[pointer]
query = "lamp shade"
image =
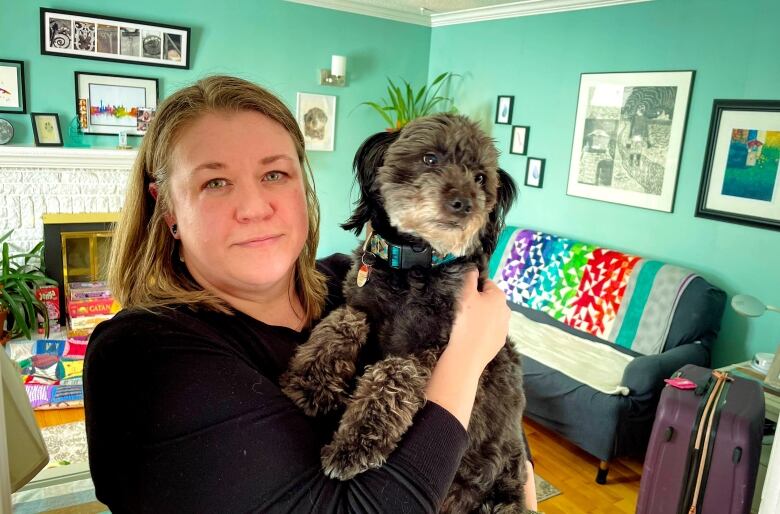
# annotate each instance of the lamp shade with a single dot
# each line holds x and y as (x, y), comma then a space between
(338, 65)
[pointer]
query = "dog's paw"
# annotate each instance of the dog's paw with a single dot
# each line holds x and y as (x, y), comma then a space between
(312, 396)
(343, 462)
(508, 508)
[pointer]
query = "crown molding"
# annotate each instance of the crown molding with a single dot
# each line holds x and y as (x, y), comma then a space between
(521, 8)
(369, 10)
(62, 157)
(510, 10)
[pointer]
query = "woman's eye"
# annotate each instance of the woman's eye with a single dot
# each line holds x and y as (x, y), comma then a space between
(273, 176)
(479, 179)
(215, 183)
(430, 159)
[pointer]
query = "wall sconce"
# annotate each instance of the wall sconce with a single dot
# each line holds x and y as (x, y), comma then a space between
(337, 74)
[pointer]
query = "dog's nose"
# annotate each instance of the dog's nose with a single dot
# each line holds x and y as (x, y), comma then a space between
(459, 205)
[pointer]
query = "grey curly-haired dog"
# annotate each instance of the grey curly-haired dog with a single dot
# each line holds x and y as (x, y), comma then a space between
(433, 199)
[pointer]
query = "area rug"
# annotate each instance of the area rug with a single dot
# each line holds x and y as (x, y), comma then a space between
(67, 445)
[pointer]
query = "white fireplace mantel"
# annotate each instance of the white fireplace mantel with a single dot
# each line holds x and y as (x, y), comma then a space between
(62, 157)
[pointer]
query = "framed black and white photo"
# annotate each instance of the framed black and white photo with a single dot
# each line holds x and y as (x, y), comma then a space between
(534, 172)
(92, 36)
(519, 144)
(740, 181)
(12, 87)
(316, 116)
(46, 128)
(504, 106)
(112, 102)
(628, 137)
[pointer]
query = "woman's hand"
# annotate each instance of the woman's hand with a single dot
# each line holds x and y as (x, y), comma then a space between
(478, 334)
(481, 323)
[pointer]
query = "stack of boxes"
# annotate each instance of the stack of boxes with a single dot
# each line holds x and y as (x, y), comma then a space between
(88, 304)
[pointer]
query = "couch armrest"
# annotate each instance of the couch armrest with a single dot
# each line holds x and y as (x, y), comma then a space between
(645, 374)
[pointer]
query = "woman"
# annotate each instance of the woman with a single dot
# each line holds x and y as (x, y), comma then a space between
(214, 263)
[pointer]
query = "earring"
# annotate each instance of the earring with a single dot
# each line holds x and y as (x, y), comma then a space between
(174, 229)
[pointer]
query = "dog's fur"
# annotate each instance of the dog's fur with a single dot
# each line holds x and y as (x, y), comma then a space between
(405, 316)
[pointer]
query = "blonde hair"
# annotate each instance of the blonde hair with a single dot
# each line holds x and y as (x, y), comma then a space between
(145, 271)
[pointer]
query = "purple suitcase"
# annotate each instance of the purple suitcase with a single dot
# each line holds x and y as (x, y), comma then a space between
(726, 463)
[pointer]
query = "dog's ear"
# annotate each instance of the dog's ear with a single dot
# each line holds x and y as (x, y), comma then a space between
(507, 190)
(369, 157)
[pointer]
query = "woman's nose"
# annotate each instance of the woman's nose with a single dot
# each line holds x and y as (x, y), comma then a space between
(253, 202)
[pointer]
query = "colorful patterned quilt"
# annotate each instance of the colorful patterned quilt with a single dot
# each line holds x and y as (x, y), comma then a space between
(51, 371)
(622, 298)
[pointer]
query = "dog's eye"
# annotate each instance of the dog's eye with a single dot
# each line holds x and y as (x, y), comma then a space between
(430, 159)
(479, 179)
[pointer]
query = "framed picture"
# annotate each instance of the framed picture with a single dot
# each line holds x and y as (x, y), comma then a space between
(317, 118)
(90, 36)
(519, 144)
(112, 102)
(628, 136)
(504, 106)
(773, 375)
(12, 87)
(46, 128)
(534, 172)
(739, 182)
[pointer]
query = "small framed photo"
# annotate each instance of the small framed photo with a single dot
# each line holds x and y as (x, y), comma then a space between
(773, 375)
(46, 129)
(534, 172)
(740, 182)
(92, 36)
(12, 87)
(316, 116)
(113, 101)
(519, 144)
(144, 117)
(504, 107)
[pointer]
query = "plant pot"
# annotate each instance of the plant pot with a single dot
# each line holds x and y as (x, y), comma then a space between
(4, 336)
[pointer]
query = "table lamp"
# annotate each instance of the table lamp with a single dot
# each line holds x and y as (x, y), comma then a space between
(752, 307)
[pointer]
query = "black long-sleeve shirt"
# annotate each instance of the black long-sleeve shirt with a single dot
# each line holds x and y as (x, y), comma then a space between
(184, 414)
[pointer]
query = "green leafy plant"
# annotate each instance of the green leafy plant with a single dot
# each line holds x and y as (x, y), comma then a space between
(402, 105)
(20, 274)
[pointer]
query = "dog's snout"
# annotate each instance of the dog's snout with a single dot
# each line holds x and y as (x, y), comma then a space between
(460, 205)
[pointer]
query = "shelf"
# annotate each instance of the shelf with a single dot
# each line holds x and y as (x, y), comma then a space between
(64, 157)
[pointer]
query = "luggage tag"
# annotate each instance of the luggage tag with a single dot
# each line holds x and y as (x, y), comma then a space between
(681, 383)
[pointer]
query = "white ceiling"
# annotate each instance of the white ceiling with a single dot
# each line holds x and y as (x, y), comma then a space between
(434, 13)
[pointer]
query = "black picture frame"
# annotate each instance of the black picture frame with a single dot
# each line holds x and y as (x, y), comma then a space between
(19, 65)
(150, 50)
(35, 117)
(532, 182)
(83, 87)
(736, 199)
(512, 146)
(504, 116)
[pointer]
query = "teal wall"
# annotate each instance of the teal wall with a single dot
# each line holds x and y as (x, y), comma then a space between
(277, 44)
(732, 46)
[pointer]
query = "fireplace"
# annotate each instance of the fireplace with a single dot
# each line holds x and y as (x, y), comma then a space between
(76, 249)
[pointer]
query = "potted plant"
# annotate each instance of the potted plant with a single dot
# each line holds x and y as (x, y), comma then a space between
(403, 105)
(20, 274)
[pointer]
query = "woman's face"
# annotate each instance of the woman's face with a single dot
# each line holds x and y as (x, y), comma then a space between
(239, 203)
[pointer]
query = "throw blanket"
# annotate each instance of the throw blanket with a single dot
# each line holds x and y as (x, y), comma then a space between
(51, 371)
(594, 364)
(622, 298)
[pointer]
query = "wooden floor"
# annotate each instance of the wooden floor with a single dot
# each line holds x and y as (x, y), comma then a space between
(559, 462)
(573, 472)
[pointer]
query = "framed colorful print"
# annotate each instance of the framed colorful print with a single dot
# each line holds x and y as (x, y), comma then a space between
(113, 101)
(739, 181)
(91, 36)
(519, 144)
(534, 172)
(316, 116)
(504, 106)
(46, 128)
(12, 87)
(628, 137)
